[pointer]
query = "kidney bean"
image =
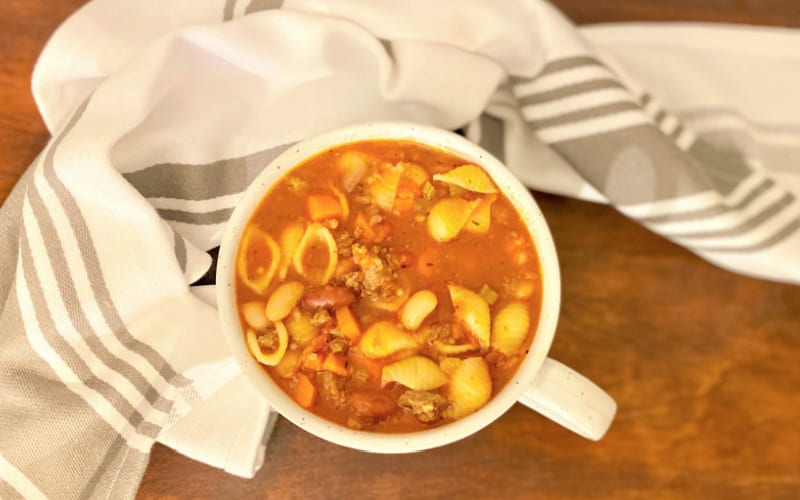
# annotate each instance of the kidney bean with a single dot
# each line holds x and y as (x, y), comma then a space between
(328, 297)
(371, 403)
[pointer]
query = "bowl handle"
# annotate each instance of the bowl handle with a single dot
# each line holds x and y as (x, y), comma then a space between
(569, 399)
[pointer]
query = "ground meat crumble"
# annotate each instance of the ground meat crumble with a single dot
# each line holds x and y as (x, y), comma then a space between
(338, 344)
(426, 406)
(268, 340)
(440, 332)
(344, 242)
(320, 317)
(332, 387)
(376, 279)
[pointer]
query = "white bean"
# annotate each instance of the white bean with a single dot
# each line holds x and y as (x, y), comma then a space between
(283, 300)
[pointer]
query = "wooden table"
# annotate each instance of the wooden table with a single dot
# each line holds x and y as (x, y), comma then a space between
(704, 364)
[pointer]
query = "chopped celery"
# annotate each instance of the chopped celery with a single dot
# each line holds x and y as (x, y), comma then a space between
(489, 295)
(428, 191)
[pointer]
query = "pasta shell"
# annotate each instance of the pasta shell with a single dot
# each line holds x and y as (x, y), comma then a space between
(470, 386)
(480, 220)
(384, 339)
(418, 373)
(454, 349)
(300, 328)
(319, 240)
(449, 365)
(253, 314)
(472, 312)
(470, 177)
(417, 308)
(448, 216)
(383, 188)
(354, 166)
(391, 304)
(258, 259)
(283, 300)
(290, 238)
(271, 358)
(510, 328)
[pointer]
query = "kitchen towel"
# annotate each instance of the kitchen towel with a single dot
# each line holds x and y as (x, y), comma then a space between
(161, 113)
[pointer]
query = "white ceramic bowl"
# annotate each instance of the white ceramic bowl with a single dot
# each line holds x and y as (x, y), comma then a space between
(438, 436)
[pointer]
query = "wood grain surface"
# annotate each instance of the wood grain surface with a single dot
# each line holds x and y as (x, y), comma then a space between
(704, 364)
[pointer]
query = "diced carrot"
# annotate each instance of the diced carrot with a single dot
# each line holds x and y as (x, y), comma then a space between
(403, 204)
(362, 224)
(313, 361)
(371, 366)
(323, 206)
(347, 323)
(335, 363)
(320, 342)
(304, 392)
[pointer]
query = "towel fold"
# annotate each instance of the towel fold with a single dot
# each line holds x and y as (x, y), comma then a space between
(161, 114)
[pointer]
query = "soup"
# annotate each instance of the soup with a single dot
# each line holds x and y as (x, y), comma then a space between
(388, 286)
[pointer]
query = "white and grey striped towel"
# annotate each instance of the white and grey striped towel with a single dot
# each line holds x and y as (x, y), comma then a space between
(162, 112)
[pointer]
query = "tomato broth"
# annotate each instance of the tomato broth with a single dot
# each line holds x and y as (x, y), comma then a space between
(388, 286)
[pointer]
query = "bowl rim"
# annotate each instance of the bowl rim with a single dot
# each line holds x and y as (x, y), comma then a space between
(371, 441)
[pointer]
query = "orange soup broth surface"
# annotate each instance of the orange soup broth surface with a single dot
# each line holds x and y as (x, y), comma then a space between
(470, 260)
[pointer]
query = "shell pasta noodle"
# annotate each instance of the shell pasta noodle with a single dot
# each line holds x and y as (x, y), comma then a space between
(388, 286)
